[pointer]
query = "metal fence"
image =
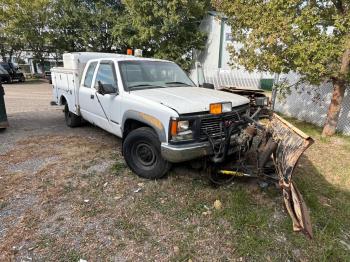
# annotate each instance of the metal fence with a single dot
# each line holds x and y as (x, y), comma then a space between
(310, 104)
(233, 78)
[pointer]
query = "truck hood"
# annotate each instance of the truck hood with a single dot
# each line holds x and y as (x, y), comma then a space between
(189, 99)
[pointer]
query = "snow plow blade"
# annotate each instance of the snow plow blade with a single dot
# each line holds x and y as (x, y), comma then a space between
(291, 144)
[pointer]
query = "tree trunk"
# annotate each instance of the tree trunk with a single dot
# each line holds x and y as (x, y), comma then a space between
(334, 108)
(339, 86)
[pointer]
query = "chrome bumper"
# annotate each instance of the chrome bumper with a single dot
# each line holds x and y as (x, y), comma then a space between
(181, 153)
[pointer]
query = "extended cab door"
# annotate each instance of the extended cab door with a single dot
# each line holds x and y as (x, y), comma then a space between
(90, 108)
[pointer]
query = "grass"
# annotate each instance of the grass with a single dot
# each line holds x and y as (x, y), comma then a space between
(324, 179)
(118, 167)
(3, 204)
(136, 231)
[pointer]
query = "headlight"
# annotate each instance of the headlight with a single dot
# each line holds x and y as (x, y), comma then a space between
(183, 126)
(180, 130)
(262, 101)
(219, 108)
(226, 107)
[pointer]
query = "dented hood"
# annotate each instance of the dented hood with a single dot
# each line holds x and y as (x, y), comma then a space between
(189, 99)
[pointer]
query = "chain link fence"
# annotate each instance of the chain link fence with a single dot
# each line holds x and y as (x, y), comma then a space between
(310, 103)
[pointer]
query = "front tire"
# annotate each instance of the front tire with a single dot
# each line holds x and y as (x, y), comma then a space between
(141, 150)
(72, 120)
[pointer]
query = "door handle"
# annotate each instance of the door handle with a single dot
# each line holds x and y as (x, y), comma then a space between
(92, 96)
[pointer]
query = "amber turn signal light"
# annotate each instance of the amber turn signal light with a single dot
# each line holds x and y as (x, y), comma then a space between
(215, 109)
(173, 127)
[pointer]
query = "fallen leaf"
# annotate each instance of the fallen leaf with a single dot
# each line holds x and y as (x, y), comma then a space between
(217, 204)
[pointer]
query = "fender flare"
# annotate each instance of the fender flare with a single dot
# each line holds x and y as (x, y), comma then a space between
(147, 119)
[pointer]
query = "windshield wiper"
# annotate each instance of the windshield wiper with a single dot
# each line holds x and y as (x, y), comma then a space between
(178, 83)
(144, 85)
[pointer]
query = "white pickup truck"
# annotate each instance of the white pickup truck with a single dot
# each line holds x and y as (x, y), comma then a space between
(159, 113)
(164, 118)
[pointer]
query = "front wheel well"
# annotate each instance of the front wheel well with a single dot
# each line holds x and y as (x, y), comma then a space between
(132, 124)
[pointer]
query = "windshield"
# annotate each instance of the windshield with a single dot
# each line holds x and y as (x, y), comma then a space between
(144, 74)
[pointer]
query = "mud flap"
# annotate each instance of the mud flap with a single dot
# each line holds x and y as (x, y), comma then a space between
(291, 144)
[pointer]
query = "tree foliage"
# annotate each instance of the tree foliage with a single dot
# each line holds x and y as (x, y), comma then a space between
(10, 37)
(26, 21)
(86, 25)
(166, 29)
(310, 37)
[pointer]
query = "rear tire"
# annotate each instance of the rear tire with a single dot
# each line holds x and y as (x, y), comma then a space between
(141, 150)
(72, 120)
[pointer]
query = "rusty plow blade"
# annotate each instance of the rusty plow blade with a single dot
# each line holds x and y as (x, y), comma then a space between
(291, 144)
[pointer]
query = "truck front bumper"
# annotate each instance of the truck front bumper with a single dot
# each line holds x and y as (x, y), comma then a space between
(181, 153)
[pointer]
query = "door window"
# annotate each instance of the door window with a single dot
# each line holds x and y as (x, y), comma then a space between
(89, 74)
(106, 76)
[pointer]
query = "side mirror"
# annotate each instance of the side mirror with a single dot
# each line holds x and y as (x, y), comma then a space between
(100, 88)
(105, 89)
(208, 86)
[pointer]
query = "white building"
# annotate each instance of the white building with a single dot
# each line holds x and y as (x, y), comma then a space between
(214, 59)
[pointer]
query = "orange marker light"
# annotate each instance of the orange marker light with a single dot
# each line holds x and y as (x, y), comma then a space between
(173, 127)
(129, 51)
(215, 109)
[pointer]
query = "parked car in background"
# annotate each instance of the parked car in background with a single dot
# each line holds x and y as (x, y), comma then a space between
(48, 76)
(13, 71)
(4, 75)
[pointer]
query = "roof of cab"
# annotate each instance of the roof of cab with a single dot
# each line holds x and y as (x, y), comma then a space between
(130, 58)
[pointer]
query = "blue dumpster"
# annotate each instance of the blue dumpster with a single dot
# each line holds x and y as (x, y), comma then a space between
(3, 116)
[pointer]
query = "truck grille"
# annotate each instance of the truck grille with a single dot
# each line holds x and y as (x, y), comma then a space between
(211, 124)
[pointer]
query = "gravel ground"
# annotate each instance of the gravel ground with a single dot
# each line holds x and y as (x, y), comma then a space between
(29, 147)
(30, 114)
(30, 96)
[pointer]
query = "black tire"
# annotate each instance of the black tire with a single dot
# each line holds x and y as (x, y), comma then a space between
(10, 80)
(141, 150)
(21, 79)
(72, 120)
